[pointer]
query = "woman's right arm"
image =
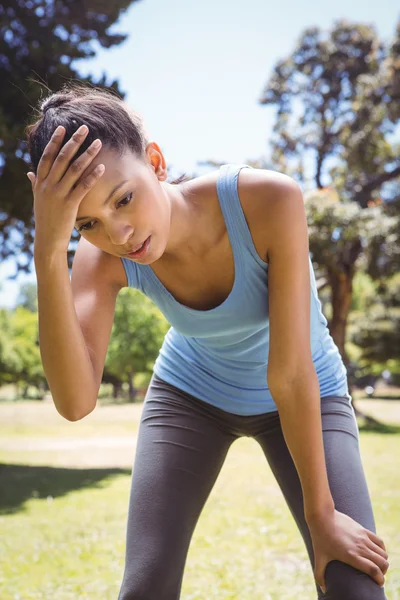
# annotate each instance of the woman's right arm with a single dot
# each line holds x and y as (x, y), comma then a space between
(75, 322)
(72, 356)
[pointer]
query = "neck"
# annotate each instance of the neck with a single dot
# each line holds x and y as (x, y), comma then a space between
(184, 221)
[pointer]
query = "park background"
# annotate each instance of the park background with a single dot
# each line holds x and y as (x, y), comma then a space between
(310, 89)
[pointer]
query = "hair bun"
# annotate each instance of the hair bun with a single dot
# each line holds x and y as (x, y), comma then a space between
(54, 101)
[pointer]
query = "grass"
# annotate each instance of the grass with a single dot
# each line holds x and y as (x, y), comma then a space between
(63, 508)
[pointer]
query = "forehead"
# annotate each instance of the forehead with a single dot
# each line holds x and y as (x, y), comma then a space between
(115, 164)
(117, 169)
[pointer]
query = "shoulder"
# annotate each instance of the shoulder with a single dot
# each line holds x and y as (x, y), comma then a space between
(268, 199)
(273, 204)
(258, 189)
(106, 266)
(272, 201)
(261, 186)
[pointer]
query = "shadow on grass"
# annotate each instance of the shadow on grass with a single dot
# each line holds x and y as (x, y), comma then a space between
(378, 427)
(383, 397)
(20, 483)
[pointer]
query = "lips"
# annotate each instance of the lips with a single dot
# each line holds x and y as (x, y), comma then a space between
(135, 248)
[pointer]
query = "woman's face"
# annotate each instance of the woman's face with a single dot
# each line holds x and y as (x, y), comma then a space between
(127, 204)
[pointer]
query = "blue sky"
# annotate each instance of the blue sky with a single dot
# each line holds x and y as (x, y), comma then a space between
(195, 71)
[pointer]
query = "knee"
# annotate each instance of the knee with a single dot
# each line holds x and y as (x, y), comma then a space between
(344, 582)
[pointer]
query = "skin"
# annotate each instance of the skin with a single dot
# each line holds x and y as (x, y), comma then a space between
(166, 211)
(183, 229)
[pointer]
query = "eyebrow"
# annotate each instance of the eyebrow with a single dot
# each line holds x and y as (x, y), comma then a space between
(108, 197)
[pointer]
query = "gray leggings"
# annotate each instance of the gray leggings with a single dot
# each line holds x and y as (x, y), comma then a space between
(181, 447)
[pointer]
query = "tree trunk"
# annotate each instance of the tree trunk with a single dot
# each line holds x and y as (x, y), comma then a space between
(341, 283)
(43, 389)
(117, 387)
(342, 291)
(132, 389)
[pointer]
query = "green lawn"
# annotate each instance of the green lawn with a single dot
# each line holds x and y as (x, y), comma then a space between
(64, 499)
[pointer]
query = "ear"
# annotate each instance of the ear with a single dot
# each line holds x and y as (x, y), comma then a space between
(31, 177)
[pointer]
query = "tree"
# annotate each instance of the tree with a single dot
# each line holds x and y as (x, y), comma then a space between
(27, 297)
(40, 39)
(8, 356)
(20, 361)
(343, 234)
(136, 337)
(378, 330)
(341, 90)
(338, 100)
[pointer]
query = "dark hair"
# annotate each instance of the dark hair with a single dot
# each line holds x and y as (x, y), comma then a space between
(107, 116)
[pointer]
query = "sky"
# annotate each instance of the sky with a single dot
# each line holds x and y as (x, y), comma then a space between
(195, 73)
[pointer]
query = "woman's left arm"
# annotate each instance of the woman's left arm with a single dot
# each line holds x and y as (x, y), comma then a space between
(291, 375)
(294, 386)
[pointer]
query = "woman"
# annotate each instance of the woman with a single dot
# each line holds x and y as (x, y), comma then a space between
(225, 257)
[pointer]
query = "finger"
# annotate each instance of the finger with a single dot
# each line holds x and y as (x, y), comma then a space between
(49, 153)
(319, 574)
(66, 154)
(382, 563)
(87, 183)
(375, 538)
(321, 582)
(370, 568)
(319, 578)
(377, 549)
(78, 168)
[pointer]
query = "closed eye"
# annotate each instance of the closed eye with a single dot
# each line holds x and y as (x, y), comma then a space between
(85, 227)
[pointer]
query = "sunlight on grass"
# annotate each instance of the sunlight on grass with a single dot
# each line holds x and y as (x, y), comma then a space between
(64, 516)
(37, 418)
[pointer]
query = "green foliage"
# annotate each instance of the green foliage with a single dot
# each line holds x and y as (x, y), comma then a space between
(136, 336)
(27, 297)
(9, 361)
(364, 290)
(40, 43)
(20, 361)
(344, 236)
(24, 324)
(338, 102)
(376, 329)
(337, 98)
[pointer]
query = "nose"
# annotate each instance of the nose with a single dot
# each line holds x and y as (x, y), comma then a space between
(119, 232)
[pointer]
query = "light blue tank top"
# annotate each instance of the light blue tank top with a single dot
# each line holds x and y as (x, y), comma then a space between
(221, 355)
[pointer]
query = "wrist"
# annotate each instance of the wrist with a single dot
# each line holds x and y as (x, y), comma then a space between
(316, 514)
(45, 257)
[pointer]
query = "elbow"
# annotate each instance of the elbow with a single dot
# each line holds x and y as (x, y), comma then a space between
(280, 390)
(73, 415)
(297, 381)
